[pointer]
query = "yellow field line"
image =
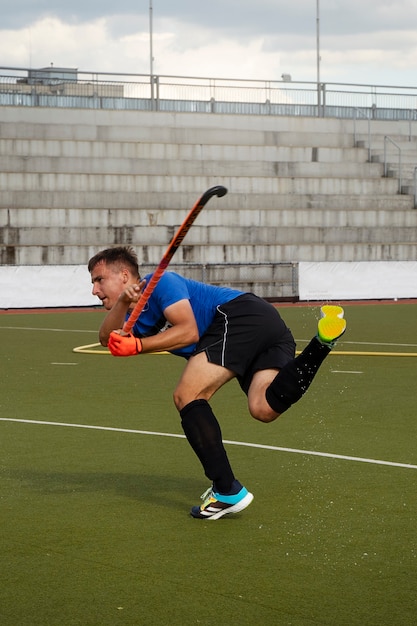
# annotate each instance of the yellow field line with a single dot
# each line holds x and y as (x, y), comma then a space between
(337, 352)
(361, 353)
(89, 349)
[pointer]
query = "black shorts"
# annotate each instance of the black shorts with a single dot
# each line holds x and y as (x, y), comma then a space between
(247, 335)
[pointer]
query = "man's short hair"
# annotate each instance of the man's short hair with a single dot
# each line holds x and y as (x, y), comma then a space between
(121, 255)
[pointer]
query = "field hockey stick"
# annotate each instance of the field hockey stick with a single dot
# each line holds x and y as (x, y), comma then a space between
(176, 241)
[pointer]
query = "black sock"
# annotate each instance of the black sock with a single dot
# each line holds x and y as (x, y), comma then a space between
(293, 380)
(204, 435)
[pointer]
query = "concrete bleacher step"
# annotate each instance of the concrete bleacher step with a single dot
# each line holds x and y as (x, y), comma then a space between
(38, 219)
(49, 204)
(377, 141)
(408, 155)
(162, 134)
(176, 167)
(212, 235)
(51, 183)
(407, 170)
(219, 254)
(27, 148)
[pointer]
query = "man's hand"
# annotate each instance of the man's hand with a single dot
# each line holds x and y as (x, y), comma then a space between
(132, 293)
(124, 345)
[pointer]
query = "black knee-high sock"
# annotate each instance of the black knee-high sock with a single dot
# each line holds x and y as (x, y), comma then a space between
(204, 435)
(296, 376)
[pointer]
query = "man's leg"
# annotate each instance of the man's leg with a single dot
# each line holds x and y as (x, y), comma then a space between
(204, 436)
(297, 375)
(198, 383)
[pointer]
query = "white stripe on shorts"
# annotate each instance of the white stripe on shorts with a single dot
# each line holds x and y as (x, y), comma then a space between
(226, 323)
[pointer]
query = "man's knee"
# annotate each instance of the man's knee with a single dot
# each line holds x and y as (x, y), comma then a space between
(263, 412)
(179, 400)
(183, 396)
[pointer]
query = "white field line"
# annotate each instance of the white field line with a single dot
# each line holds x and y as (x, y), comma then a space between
(234, 443)
(51, 330)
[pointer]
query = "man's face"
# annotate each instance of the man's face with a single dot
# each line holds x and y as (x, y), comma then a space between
(108, 282)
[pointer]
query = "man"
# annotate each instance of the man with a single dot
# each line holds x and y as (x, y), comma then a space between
(223, 333)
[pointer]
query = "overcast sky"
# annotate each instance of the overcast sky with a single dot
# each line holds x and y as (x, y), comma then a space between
(360, 41)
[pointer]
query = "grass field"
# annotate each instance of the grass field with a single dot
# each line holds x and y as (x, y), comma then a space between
(95, 522)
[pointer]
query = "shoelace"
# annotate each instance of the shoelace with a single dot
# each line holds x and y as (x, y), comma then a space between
(207, 494)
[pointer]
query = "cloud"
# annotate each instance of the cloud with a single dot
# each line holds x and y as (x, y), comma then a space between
(370, 42)
(52, 41)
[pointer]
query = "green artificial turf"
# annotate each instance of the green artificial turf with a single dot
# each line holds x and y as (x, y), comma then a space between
(95, 523)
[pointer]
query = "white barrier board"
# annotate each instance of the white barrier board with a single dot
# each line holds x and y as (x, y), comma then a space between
(357, 281)
(34, 286)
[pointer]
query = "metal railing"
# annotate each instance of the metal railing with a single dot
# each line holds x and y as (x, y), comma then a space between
(57, 87)
(359, 112)
(386, 141)
(415, 188)
(412, 118)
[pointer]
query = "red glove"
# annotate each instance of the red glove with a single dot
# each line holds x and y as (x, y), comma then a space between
(124, 345)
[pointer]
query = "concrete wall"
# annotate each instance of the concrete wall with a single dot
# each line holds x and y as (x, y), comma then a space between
(300, 189)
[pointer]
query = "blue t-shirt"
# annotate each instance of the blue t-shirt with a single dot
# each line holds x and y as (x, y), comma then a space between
(170, 289)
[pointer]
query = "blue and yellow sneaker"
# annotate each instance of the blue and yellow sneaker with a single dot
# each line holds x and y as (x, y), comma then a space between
(332, 325)
(215, 505)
